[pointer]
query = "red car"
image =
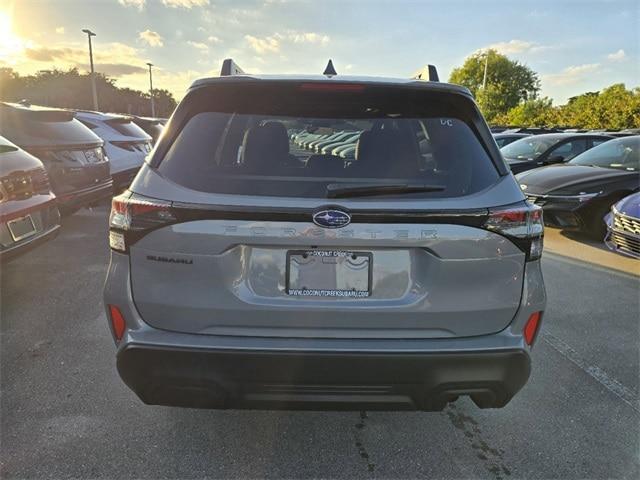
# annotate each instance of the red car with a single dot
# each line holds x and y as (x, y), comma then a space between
(28, 211)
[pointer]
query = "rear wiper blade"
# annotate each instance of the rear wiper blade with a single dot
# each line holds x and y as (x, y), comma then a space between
(343, 190)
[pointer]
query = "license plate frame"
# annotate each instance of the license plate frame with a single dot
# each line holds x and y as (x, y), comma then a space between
(324, 292)
(17, 236)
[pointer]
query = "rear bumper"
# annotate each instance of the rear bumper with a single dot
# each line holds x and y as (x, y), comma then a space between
(46, 219)
(23, 247)
(343, 380)
(85, 196)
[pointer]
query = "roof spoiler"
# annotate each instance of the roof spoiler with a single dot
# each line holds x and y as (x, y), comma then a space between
(429, 73)
(229, 67)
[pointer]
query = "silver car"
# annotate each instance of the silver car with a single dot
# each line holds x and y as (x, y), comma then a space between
(247, 272)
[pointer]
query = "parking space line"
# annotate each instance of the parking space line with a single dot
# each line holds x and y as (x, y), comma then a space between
(618, 389)
(630, 270)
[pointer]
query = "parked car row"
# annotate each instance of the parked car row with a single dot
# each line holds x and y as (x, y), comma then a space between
(338, 144)
(56, 161)
(627, 132)
(577, 191)
(599, 168)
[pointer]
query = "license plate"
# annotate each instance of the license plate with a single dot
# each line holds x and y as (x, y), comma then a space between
(22, 227)
(329, 273)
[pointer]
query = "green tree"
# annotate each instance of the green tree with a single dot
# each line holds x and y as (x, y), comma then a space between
(615, 107)
(538, 112)
(72, 89)
(164, 102)
(9, 82)
(508, 82)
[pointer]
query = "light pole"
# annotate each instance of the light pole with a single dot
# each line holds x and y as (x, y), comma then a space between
(153, 106)
(93, 74)
(486, 65)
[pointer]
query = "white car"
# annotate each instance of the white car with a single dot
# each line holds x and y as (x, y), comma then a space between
(125, 143)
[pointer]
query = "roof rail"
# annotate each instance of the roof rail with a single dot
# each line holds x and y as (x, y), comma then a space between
(229, 67)
(429, 73)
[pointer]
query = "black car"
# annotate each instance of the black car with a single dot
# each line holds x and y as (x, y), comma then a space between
(578, 194)
(626, 133)
(548, 149)
(72, 154)
(153, 126)
(505, 138)
(533, 130)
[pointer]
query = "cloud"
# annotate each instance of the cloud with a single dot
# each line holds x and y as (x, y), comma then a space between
(77, 57)
(114, 59)
(119, 69)
(176, 82)
(273, 43)
(310, 37)
(185, 3)
(263, 45)
(60, 30)
(139, 4)
(213, 39)
(203, 47)
(618, 56)
(516, 46)
(572, 74)
(153, 39)
(47, 54)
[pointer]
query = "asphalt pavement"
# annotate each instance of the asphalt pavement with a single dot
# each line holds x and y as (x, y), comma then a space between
(65, 413)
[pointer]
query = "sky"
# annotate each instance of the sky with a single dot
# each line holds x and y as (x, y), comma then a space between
(574, 45)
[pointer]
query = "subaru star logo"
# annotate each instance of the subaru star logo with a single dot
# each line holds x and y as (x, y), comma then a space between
(331, 219)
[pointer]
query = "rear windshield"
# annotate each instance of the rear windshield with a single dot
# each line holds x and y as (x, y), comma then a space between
(301, 143)
(127, 128)
(28, 130)
(623, 154)
(529, 147)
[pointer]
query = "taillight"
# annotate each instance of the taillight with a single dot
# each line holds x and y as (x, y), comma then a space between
(118, 323)
(531, 327)
(522, 224)
(132, 216)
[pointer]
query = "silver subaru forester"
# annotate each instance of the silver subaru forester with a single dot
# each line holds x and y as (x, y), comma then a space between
(250, 269)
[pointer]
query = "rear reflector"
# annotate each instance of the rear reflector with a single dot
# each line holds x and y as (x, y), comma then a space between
(117, 322)
(117, 241)
(531, 328)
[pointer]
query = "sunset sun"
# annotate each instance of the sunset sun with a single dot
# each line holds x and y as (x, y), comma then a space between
(10, 44)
